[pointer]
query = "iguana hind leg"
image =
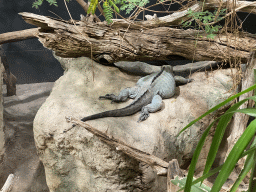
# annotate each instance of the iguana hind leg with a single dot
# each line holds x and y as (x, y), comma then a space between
(154, 106)
(123, 95)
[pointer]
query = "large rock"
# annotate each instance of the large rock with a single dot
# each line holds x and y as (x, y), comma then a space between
(79, 161)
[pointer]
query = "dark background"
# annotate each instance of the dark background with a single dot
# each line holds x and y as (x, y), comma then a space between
(29, 61)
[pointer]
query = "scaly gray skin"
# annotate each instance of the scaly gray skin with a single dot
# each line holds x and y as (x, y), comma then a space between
(147, 94)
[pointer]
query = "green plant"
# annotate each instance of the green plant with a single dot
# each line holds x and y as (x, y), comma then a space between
(38, 3)
(206, 20)
(131, 4)
(109, 6)
(236, 153)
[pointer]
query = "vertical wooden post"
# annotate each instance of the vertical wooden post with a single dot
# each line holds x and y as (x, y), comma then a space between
(9, 78)
(173, 171)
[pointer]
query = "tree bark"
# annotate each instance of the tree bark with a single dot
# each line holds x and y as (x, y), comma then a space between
(111, 43)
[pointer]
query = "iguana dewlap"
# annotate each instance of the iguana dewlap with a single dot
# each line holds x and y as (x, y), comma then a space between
(147, 94)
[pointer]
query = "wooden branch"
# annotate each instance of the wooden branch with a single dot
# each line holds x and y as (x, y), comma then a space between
(160, 165)
(241, 6)
(85, 6)
(169, 170)
(18, 35)
(115, 44)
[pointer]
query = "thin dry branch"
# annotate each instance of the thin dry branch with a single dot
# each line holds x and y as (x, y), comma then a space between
(85, 6)
(160, 165)
(169, 170)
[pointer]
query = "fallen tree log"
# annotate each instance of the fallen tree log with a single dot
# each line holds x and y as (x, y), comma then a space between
(108, 44)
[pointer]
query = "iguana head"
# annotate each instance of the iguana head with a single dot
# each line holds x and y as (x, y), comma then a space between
(168, 68)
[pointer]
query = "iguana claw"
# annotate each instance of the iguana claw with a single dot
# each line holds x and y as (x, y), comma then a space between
(143, 117)
(108, 96)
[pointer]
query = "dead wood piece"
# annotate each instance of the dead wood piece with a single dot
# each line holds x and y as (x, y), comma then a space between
(10, 81)
(173, 171)
(160, 165)
(242, 6)
(9, 78)
(8, 184)
(110, 44)
(18, 35)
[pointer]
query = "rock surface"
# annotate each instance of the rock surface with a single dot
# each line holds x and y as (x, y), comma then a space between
(79, 161)
(20, 156)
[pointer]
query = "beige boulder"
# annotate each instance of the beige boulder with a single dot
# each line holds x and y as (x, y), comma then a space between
(79, 161)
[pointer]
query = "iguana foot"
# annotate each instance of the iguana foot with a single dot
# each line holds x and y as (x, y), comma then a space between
(123, 96)
(108, 96)
(112, 97)
(181, 80)
(144, 115)
(154, 106)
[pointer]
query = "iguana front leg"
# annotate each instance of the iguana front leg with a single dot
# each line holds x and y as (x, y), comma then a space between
(154, 106)
(181, 80)
(123, 95)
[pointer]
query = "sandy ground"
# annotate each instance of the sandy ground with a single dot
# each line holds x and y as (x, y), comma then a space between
(20, 152)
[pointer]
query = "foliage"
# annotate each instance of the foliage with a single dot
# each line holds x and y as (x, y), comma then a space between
(108, 11)
(236, 153)
(195, 188)
(38, 3)
(204, 18)
(109, 6)
(131, 4)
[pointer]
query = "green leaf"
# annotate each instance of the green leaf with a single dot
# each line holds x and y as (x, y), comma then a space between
(220, 130)
(247, 166)
(234, 156)
(217, 107)
(217, 169)
(195, 188)
(195, 158)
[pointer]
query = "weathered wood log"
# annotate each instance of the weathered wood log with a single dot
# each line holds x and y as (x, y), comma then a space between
(111, 44)
(18, 35)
